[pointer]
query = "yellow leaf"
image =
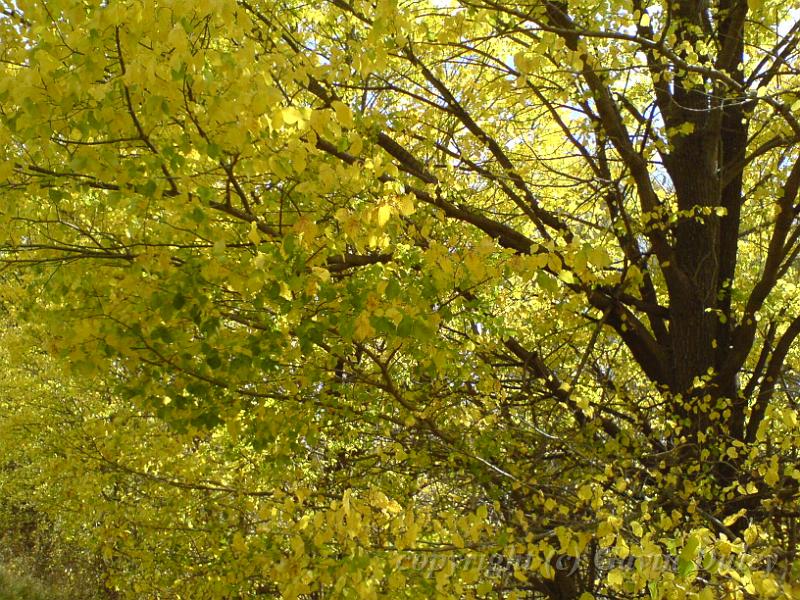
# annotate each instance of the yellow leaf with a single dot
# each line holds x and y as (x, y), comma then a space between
(298, 546)
(731, 519)
(318, 119)
(384, 212)
(356, 144)
(322, 274)
(554, 263)
(767, 587)
(598, 257)
(771, 477)
(622, 549)
(253, 236)
(706, 594)
(751, 535)
(471, 576)
(406, 205)
(238, 545)
(615, 577)
(6, 169)
(484, 588)
(789, 417)
(343, 113)
(636, 528)
(396, 580)
(291, 115)
(177, 38)
(363, 328)
(566, 277)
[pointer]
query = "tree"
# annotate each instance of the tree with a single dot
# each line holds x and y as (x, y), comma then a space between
(479, 279)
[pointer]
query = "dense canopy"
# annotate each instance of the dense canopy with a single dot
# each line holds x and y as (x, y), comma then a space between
(405, 299)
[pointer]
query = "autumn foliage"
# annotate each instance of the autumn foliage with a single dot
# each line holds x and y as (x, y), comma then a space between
(404, 299)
